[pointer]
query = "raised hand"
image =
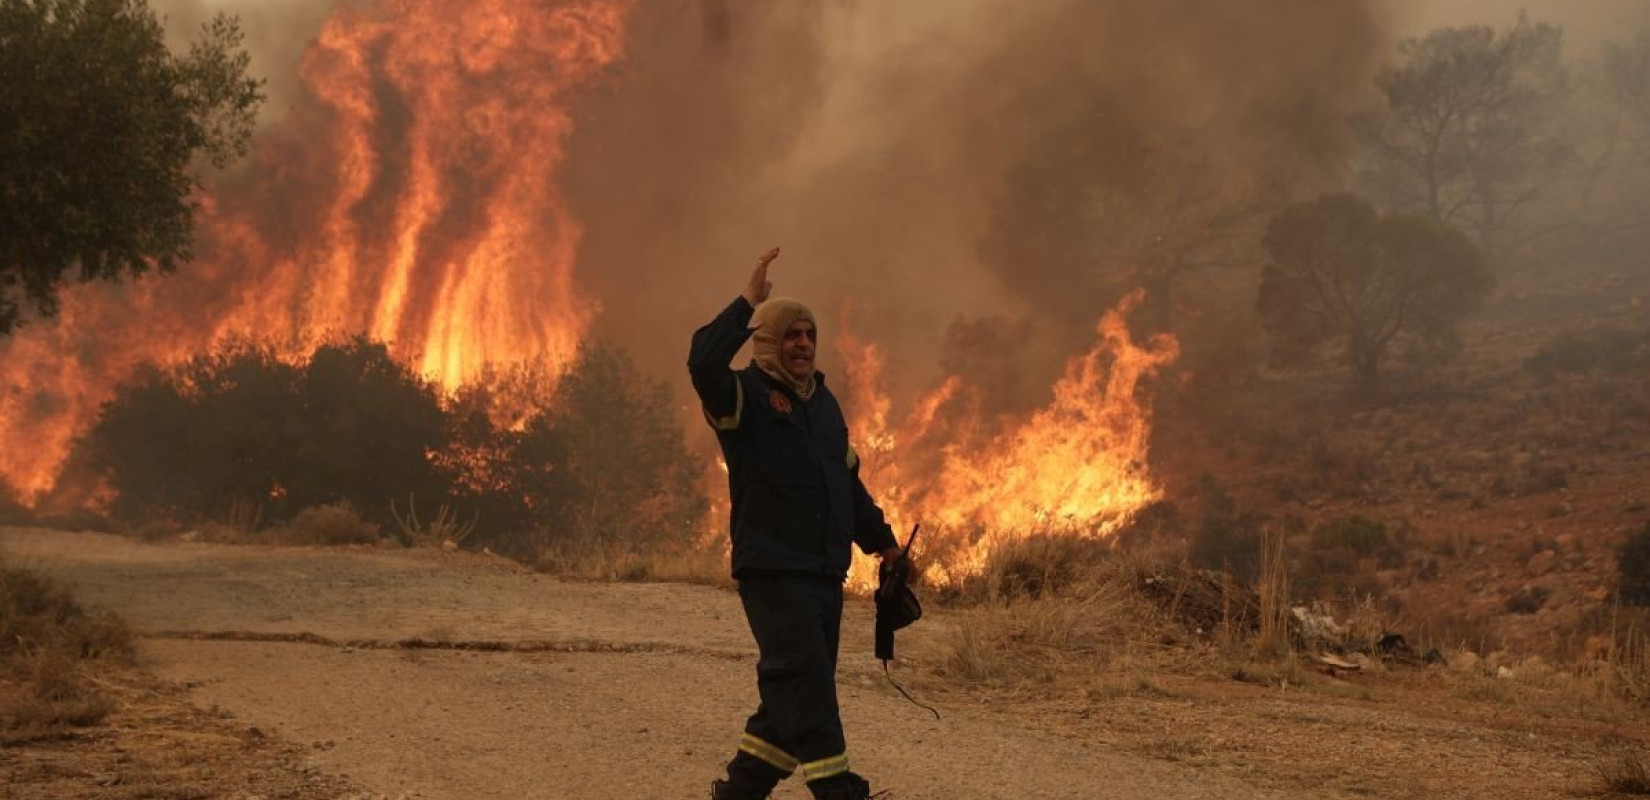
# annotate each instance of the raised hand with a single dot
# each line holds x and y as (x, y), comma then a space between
(760, 287)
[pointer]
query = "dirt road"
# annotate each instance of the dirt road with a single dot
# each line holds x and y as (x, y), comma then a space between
(632, 691)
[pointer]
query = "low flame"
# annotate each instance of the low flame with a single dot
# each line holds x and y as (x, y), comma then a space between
(1077, 465)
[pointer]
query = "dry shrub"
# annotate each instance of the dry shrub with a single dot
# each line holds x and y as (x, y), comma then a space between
(38, 613)
(1202, 601)
(47, 691)
(1626, 774)
(336, 523)
(47, 643)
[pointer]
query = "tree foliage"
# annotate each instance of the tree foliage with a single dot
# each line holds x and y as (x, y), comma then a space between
(102, 128)
(604, 463)
(1343, 277)
(598, 461)
(244, 426)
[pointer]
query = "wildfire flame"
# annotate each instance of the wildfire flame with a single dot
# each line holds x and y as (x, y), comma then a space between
(410, 198)
(1077, 465)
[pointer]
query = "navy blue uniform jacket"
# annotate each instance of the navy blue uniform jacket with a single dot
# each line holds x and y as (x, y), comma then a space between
(798, 502)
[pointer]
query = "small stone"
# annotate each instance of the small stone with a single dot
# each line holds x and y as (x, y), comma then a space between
(1540, 564)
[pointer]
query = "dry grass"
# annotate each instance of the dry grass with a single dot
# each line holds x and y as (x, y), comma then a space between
(49, 648)
(1046, 610)
(1273, 589)
(670, 563)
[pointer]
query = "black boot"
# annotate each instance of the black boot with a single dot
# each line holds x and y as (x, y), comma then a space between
(723, 790)
(846, 786)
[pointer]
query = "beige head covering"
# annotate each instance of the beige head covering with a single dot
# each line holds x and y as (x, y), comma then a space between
(770, 321)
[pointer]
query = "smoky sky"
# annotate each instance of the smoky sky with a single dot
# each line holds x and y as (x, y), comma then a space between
(1585, 22)
(872, 142)
(875, 142)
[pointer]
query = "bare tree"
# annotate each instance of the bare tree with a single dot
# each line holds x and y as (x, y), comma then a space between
(1469, 134)
(1615, 110)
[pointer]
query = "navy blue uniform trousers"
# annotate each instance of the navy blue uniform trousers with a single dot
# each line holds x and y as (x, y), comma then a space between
(796, 619)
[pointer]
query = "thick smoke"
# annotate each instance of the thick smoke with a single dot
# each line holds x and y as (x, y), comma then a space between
(874, 142)
(277, 33)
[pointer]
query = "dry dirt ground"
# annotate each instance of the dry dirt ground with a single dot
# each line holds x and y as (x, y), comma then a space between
(320, 674)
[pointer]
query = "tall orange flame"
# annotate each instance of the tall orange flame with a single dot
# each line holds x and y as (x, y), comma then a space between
(410, 198)
(1077, 465)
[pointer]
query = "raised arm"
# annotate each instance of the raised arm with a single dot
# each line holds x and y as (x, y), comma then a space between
(715, 344)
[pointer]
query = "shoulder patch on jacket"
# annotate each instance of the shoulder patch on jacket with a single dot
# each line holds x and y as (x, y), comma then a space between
(779, 401)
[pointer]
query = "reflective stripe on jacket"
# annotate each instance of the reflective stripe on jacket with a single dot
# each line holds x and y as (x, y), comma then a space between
(798, 502)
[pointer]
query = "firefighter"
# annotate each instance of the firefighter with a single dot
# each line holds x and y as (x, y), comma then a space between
(798, 504)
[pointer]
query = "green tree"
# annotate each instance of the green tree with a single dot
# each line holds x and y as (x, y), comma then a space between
(1343, 277)
(245, 427)
(370, 429)
(1470, 132)
(103, 126)
(188, 442)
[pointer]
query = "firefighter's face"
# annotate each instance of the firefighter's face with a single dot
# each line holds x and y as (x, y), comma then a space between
(796, 350)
